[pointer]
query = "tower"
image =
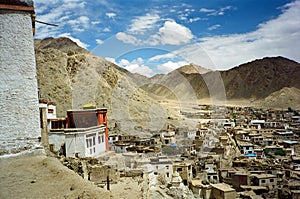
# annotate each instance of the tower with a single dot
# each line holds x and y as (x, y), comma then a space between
(19, 111)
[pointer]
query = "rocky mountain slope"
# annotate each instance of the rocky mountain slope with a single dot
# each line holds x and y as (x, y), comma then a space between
(71, 77)
(260, 78)
(257, 80)
(283, 98)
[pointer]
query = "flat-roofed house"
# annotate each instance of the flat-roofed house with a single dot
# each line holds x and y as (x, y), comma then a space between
(85, 133)
(266, 180)
(222, 191)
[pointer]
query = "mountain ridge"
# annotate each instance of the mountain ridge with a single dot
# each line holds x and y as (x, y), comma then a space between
(256, 79)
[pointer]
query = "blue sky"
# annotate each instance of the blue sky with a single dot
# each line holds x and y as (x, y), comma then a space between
(157, 36)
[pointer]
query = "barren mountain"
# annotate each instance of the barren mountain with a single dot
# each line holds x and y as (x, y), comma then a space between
(260, 78)
(283, 98)
(71, 77)
(63, 44)
(192, 68)
(256, 79)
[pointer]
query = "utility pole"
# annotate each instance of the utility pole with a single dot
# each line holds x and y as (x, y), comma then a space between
(107, 179)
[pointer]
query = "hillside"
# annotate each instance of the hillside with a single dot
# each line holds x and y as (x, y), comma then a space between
(256, 80)
(282, 99)
(260, 78)
(72, 78)
(192, 68)
(32, 174)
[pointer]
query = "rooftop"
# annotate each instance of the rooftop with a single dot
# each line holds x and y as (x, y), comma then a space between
(290, 141)
(261, 176)
(223, 187)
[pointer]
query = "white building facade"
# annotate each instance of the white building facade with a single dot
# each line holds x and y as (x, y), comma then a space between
(20, 119)
(79, 142)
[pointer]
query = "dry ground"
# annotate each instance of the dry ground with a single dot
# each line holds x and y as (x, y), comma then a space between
(35, 175)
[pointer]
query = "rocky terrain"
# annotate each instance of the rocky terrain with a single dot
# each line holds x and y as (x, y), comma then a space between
(282, 98)
(254, 80)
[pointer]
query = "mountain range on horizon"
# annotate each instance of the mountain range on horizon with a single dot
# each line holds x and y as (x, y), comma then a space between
(63, 67)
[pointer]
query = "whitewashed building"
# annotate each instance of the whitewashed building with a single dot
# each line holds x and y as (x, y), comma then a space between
(84, 133)
(20, 119)
(87, 142)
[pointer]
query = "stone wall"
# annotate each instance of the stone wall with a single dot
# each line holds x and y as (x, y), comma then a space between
(19, 112)
(98, 174)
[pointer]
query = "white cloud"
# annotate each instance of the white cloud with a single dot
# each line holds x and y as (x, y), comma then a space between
(170, 66)
(96, 22)
(214, 27)
(164, 56)
(205, 10)
(192, 53)
(128, 39)
(136, 66)
(112, 60)
(79, 24)
(77, 41)
(191, 20)
(214, 12)
(143, 70)
(57, 13)
(144, 23)
(183, 17)
(99, 41)
(106, 29)
(174, 33)
(124, 62)
(111, 15)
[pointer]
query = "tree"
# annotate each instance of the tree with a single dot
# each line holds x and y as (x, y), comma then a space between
(280, 152)
(266, 151)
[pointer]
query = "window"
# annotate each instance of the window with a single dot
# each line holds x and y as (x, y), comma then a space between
(167, 174)
(271, 180)
(90, 140)
(179, 169)
(100, 138)
(167, 167)
(263, 181)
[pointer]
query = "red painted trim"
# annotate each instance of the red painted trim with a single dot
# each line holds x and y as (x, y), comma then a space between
(19, 8)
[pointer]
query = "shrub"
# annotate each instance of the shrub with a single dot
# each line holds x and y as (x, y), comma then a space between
(280, 152)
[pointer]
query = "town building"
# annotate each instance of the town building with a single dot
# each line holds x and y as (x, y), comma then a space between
(85, 134)
(266, 180)
(222, 191)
